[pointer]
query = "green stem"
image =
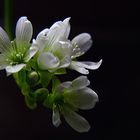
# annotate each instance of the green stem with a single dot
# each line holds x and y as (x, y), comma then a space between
(8, 17)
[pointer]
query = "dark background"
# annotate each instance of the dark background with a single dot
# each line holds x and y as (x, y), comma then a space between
(114, 26)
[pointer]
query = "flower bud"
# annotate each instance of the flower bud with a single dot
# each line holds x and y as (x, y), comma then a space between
(32, 78)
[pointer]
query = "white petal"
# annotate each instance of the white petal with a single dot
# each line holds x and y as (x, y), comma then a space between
(59, 30)
(56, 117)
(65, 62)
(67, 24)
(54, 31)
(63, 51)
(63, 48)
(47, 61)
(84, 98)
(5, 44)
(15, 68)
(42, 39)
(80, 82)
(78, 68)
(89, 65)
(31, 52)
(66, 84)
(43, 34)
(3, 63)
(24, 30)
(81, 44)
(76, 121)
(63, 86)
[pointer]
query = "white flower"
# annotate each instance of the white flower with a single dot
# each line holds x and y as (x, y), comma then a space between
(68, 98)
(81, 44)
(56, 51)
(54, 48)
(15, 54)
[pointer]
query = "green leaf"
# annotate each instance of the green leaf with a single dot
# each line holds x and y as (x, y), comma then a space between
(30, 102)
(55, 83)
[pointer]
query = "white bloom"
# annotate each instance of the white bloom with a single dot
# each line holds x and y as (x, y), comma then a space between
(54, 48)
(68, 98)
(81, 44)
(56, 51)
(15, 54)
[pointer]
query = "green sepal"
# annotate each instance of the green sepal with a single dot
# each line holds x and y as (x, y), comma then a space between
(45, 78)
(25, 89)
(32, 64)
(48, 102)
(16, 77)
(60, 71)
(41, 94)
(30, 101)
(21, 80)
(55, 83)
(52, 98)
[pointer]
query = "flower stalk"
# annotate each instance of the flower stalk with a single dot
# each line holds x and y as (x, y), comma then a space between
(8, 17)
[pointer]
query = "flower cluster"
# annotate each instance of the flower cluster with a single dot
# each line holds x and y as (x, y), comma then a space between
(37, 65)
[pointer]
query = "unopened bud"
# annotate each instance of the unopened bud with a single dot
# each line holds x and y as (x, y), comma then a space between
(33, 77)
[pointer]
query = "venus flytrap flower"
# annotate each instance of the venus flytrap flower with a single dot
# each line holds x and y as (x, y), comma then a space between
(15, 54)
(67, 98)
(56, 51)
(81, 44)
(54, 48)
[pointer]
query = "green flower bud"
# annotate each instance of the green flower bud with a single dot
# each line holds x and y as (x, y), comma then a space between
(32, 78)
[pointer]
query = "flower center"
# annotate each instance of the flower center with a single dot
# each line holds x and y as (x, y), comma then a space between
(16, 58)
